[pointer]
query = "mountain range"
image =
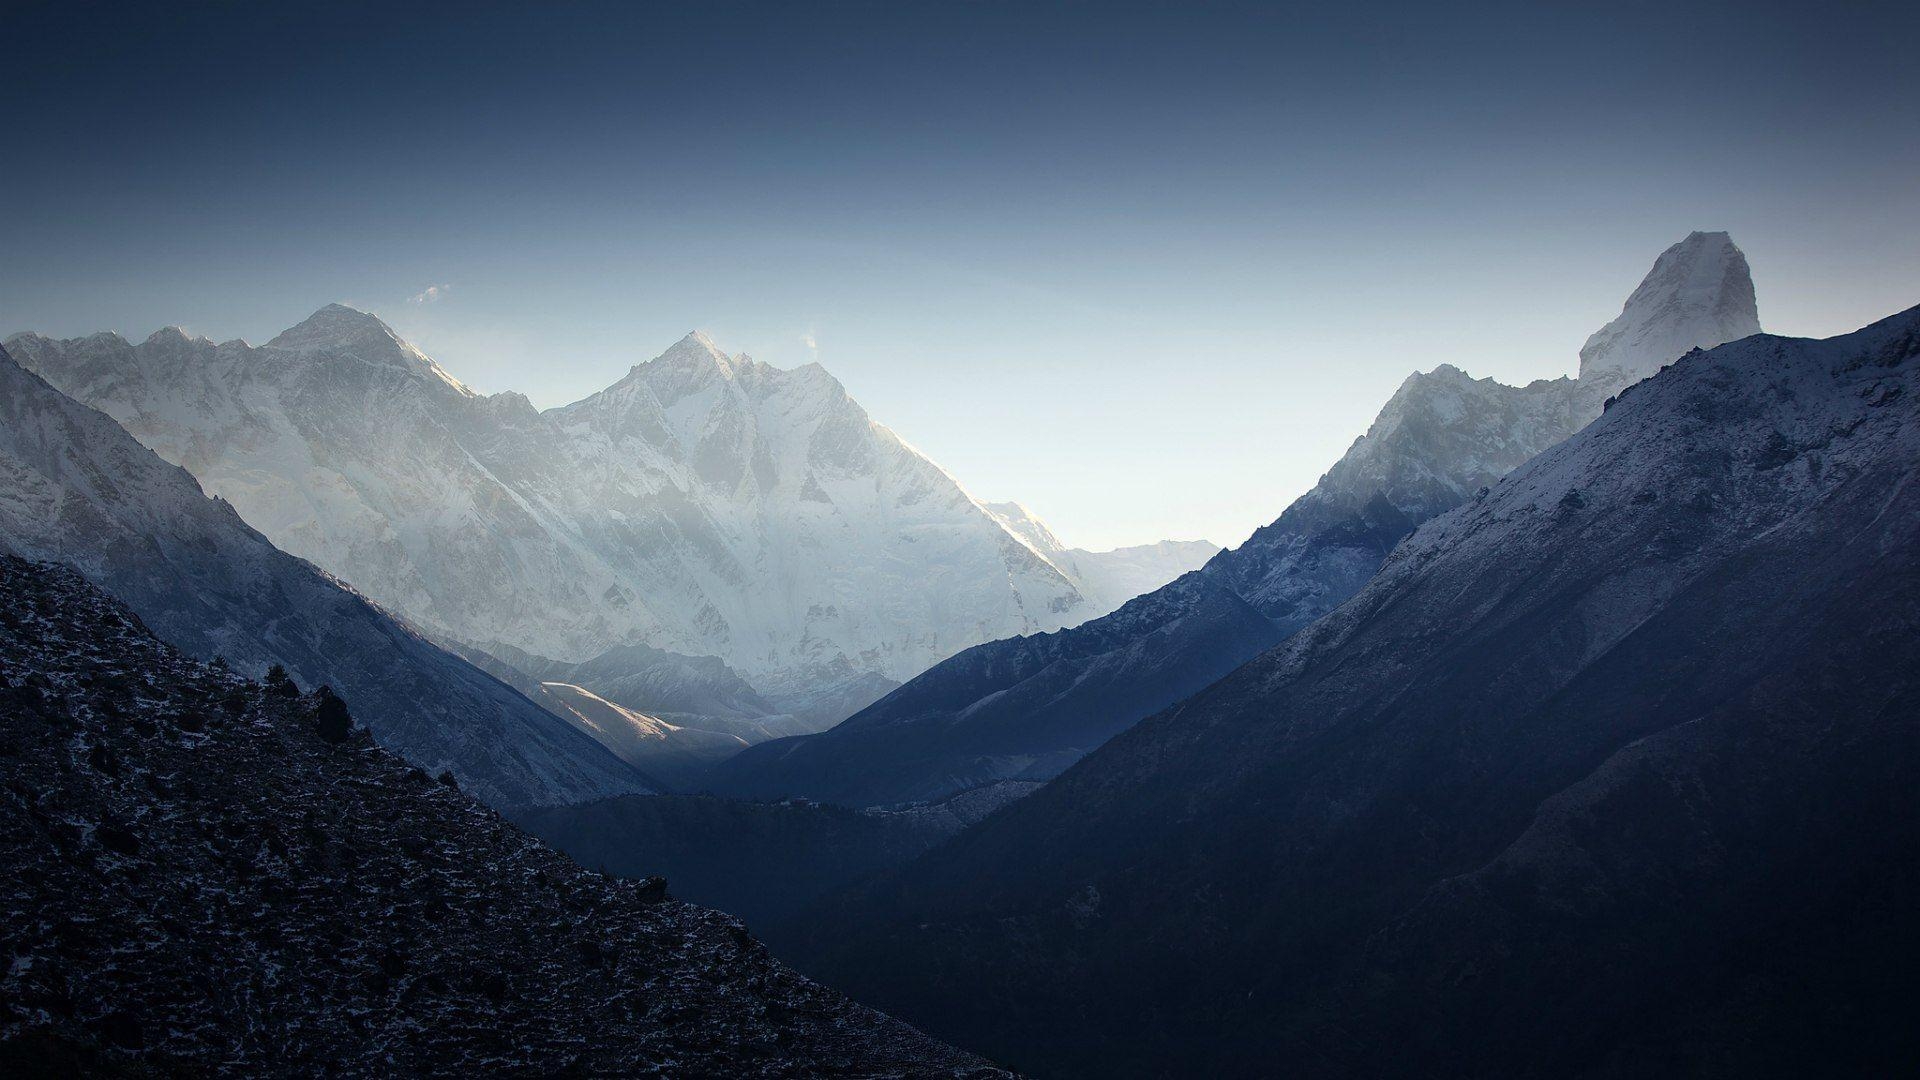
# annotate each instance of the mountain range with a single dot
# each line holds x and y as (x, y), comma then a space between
(1561, 729)
(76, 488)
(1606, 772)
(1027, 707)
(704, 505)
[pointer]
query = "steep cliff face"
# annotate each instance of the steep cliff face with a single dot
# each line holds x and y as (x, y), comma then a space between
(1699, 294)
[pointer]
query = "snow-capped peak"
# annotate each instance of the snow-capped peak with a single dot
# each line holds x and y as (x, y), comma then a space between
(338, 330)
(172, 335)
(335, 324)
(697, 349)
(690, 364)
(1699, 294)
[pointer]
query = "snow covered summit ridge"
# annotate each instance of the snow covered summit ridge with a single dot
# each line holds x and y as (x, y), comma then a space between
(340, 331)
(704, 504)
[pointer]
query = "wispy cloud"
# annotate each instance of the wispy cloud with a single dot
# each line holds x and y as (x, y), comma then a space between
(429, 294)
(813, 346)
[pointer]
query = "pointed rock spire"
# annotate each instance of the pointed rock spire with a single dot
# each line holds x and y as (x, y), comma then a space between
(696, 350)
(1698, 294)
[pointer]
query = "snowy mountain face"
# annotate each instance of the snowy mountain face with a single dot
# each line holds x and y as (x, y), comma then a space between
(1027, 708)
(705, 504)
(1441, 437)
(76, 488)
(195, 880)
(1106, 578)
(814, 541)
(1608, 771)
(1698, 295)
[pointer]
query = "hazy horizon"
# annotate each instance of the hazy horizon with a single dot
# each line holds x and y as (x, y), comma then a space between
(1147, 274)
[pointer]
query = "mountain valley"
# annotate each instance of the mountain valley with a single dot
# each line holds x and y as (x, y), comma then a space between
(1027, 708)
(1606, 772)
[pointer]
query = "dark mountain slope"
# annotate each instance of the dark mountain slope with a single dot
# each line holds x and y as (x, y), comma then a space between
(762, 861)
(194, 881)
(76, 488)
(1607, 772)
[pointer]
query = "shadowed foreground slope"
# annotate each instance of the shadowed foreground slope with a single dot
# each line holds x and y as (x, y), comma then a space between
(193, 879)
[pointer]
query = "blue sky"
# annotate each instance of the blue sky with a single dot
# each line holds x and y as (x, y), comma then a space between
(1148, 271)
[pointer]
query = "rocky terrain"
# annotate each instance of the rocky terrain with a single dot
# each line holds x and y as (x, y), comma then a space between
(205, 875)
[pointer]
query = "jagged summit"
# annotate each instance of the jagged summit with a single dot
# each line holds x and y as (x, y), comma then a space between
(30, 339)
(692, 363)
(173, 335)
(1699, 294)
(696, 346)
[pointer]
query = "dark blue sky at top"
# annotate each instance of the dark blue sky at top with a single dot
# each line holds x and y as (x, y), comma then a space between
(1147, 269)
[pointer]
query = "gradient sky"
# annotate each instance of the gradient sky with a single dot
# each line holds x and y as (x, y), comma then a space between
(1146, 271)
